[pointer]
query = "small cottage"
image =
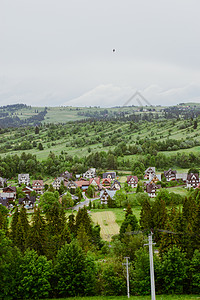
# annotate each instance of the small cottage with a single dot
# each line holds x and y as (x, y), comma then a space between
(23, 179)
(132, 181)
(105, 194)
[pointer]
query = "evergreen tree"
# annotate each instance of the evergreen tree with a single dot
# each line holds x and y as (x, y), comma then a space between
(83, 218)
(3, 218)
(128, 211)
(146, 215)
(37, 238)
(13, 226)
(196, 230)
(159, 217)
(83, 238)
(22, 230)
(37, 130)
(131, 222)
(72, 224)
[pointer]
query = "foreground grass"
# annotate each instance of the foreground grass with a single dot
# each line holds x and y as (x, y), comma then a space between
(159, 297)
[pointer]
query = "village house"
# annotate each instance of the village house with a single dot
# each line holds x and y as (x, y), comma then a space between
(38, 186)
(71, 185)
(192, 180)
(90, 173)
(9, 192)
(132, 181)
(57, 183)
(151, 189)
(105, 194)
(28, 202)
(5, 202)
(66, 175)
(151, 171)
(83, 184)
(23, 179)
(115, 185)
(95, 182)
(27, 190)
(170, 175)
(106, 182)
(3, 182)
(110, 175)
(154, 178)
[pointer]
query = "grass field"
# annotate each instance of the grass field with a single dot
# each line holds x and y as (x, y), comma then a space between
(178, 190)
(159, 297)
(107, 222)
(110, 220)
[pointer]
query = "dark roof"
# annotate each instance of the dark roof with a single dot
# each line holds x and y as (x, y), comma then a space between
(112, 174)
(150, 187)
(4, 202)
(170, 171)
(190, 175)
(131, 176)
(32, 199)
(115, 182)
(66, 174)
(12, 188)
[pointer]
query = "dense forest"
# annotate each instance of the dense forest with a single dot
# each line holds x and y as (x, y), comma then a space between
(54, 256)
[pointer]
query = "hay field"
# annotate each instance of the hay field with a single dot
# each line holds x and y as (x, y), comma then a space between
(107, 222)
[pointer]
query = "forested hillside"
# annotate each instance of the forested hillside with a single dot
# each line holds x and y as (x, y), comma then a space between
(123, 142)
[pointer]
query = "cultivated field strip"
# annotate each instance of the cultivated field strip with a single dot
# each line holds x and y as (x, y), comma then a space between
(106, 220)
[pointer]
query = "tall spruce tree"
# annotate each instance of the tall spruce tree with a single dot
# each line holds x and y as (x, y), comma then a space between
(83, 218)
(22, 230)
(159, 217)
(37, 237)
(13, 225)
(196, 230)
(83, 238)
(72, 224)
(146, 215)
(128, 211)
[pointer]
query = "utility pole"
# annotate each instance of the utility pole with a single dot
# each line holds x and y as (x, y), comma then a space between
(127, 275)
(153, 295)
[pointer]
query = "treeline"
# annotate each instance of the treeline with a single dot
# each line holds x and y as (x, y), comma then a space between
(52, 257)
(11, 166)
(15, 121)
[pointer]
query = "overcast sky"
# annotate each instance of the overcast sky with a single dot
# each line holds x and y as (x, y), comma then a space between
(60, 52)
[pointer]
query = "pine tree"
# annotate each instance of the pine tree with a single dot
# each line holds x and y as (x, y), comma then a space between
(129, 222)
(83, 238)
(37, 238)
(83, 218)
(24, 220)
(159, 217)
(146, 215)
(128, 211)
(196, 230)
(20, 240)
(13, 225)
(71, 224)
(22, 230)
(3, 218)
